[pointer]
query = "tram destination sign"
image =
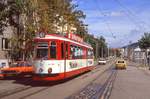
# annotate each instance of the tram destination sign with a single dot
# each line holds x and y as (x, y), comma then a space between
(75, 37)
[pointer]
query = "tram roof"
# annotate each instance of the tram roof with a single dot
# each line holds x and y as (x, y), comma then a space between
(64, 38)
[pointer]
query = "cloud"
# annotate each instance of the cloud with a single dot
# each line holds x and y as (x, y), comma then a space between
(124, 39)
(99, 14)
(125, 26)
(116, 14)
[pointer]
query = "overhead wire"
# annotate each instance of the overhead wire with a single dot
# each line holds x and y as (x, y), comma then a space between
(106, 22)
(108, 25)
(129, 13)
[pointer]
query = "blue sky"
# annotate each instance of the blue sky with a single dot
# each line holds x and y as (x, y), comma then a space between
(119, 21)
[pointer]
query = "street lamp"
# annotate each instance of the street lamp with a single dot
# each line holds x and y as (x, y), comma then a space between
(108, 50)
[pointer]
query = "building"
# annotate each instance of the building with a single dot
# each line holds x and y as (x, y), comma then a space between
(5, 46)
(134, 53)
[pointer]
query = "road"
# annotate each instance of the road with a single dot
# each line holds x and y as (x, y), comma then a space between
(104, 82)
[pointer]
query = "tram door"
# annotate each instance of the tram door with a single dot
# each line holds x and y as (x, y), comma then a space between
(64, 53)
(86, 56)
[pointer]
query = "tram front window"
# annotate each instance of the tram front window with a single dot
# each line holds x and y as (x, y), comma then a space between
(42, 53)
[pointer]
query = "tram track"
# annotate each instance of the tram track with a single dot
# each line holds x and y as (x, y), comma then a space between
(42, 89)
(31, 89)
(97, 90)
(15, 90)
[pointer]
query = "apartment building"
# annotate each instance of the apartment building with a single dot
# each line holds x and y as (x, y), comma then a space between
(5, 46)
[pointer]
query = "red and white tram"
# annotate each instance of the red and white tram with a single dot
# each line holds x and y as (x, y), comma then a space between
(60, 57)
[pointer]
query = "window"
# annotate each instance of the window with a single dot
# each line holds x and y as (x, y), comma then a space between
(76, 52)
(71, 51)
(42, 50)
(53, 49)
(90, 54)
(66, 51)
(42, 53)
(62, 50)
(5, 43)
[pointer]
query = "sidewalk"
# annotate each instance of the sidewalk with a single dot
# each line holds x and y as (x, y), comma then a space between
(132, 83)
(141, 67)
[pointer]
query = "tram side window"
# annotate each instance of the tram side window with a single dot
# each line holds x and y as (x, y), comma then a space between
(76, 52)
(80, 53)
(72, 51)
(53, 49)
(62, 50)
(66, 53)
(90, 54)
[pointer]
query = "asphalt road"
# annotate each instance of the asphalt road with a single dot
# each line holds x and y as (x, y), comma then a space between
(104, 82)
(132, 83)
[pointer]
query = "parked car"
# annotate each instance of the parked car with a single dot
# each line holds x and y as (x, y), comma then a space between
(121, 64)
(102, 61)
(21, 68)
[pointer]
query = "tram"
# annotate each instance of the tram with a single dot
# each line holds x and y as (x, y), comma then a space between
(60, 57)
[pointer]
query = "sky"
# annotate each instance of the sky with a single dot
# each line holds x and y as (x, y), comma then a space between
(118, 21)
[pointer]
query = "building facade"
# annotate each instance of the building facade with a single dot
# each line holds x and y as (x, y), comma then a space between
(134, 53)
(5, 46)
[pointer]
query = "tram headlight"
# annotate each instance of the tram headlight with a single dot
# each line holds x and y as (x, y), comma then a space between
(49, 70)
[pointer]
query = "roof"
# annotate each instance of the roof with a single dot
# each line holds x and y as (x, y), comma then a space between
(64, 39)
(133, 45)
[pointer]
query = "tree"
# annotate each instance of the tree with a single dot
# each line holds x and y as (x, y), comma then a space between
(63, 13)
(144, 43)
(3, 15)
(29, 16)
(22, 19)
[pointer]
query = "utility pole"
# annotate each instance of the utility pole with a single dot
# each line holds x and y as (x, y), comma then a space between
(96, 50)
(102, 52)
(108, 50)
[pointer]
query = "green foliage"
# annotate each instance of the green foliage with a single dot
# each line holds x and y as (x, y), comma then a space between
(3, 16)
(21, 17)
(99, 42)
(64, 13)
(144, 42)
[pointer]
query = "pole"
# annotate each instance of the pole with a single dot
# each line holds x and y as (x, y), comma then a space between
(102, 52)
(108, 50)
(96, 50)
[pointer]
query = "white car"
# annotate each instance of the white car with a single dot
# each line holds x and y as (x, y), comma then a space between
(102, 61)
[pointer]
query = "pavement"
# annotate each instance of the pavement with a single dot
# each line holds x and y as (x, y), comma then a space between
(133, 83)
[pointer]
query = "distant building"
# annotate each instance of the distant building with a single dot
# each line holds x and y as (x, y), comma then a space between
(134, 53)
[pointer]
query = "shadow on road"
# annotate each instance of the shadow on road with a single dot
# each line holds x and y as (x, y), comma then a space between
(28, 81)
